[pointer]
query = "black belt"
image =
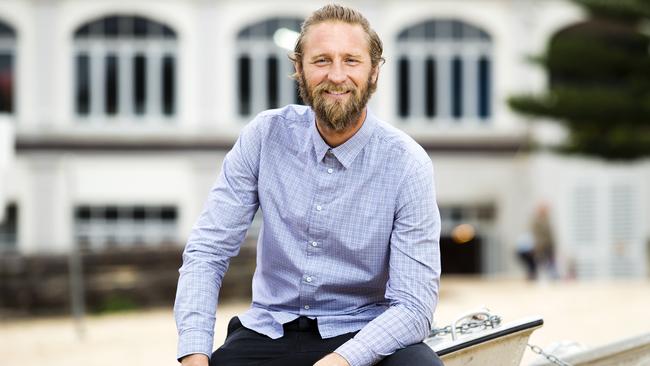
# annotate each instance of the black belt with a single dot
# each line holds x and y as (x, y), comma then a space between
(302, 324)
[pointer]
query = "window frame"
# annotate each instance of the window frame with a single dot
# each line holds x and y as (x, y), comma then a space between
(155, 43)
(461, 98)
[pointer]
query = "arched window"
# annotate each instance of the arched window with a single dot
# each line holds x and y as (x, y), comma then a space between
(263, 68)
(444, 72)
(125, 66)
(7, 47)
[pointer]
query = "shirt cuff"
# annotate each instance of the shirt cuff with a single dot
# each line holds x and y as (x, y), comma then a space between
(356, 353)
(194, 341)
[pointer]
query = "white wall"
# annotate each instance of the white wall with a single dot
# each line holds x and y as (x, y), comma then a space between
(47, 185)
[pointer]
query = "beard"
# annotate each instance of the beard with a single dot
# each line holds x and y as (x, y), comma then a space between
(337, 115)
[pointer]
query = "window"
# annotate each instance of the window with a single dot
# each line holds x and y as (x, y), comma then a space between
(9, 229)
(263, 66)
(125, 66)
(444, 72)
(7, 46)
(106, 226)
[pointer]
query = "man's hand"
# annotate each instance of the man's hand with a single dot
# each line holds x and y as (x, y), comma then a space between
(196, 359)
(333, 359)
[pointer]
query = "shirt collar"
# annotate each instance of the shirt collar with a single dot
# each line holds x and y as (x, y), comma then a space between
(348, 151)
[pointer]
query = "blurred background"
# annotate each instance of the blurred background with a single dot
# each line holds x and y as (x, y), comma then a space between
(115, 117)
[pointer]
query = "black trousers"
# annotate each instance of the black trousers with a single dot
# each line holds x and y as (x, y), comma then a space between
(301, 345)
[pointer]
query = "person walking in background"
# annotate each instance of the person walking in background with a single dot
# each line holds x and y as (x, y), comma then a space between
(526, 254)
(544, 245)
(348, 259)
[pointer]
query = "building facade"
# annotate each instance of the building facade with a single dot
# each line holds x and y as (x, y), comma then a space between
(121, 113)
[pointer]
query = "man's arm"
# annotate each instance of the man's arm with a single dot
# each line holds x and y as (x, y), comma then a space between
(414, 275)
(196, 359)
(215, 238)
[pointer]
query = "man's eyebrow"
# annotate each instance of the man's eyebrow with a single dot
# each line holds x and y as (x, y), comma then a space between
(354, 55)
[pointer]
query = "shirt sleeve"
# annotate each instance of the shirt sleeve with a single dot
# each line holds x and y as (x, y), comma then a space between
(414, 275)
(215, 238)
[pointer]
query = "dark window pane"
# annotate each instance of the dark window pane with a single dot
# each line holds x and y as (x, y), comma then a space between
(457, 29)
(456, 213)
(296, 91)
(244, 71)
(96, 28)
(83, 84)
(168, 32)
(83, 31)
(486, 212)
(169, 85)
(9, 228)
(244, 33)
(168, 213)
(111, 84)
(6, 31)
(6, 83)
(139, 213)
(297, 97)
(140, 27)
(430, 30)
(457, 87)
(82, 213)
(403, 89)
(430, 87)
(272, 81)
(484, 88)
(271, 26)
(111, 27)
(110, 213)
(139, 84)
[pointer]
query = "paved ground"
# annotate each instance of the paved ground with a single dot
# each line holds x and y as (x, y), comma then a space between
(593, 313)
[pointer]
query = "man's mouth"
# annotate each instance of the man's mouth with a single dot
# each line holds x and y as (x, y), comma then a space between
(337, 93)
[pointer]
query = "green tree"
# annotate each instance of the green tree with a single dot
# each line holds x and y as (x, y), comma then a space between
(599, 85)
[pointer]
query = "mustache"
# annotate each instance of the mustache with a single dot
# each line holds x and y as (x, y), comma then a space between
(328, 86)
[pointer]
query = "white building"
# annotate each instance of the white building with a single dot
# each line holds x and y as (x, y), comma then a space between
(122, 112)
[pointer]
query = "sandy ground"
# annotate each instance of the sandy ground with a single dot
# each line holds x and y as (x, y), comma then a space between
(592, 313)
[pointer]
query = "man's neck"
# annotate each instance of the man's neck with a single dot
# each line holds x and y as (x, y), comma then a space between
(336, 138)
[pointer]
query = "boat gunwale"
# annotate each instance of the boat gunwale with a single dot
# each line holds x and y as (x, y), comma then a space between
(502, 331)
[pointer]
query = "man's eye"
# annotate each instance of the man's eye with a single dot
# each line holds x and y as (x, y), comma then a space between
(352, 61)
(320, 61)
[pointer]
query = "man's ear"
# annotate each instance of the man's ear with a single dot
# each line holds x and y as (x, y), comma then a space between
(297, 67)
(375, 74)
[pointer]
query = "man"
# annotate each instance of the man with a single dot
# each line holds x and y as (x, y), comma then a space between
(347, 259)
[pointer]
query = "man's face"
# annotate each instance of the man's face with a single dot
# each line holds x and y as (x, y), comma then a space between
(336, 78)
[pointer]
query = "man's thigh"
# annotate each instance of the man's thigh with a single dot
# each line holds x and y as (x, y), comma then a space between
(418, 354)
(296, 348)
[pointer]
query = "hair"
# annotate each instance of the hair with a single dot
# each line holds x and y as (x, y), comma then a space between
(338, 13)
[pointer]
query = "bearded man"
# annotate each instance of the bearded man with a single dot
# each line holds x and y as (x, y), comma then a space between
(348, 262)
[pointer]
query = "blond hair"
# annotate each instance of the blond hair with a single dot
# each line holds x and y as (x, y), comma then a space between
(338, 13)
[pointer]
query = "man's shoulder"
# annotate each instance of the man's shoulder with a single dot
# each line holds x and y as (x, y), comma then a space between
(288, 115)
(400, 145)
(279, 127)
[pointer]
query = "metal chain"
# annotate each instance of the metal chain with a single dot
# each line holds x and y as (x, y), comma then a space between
(551, 358)
(491, 322)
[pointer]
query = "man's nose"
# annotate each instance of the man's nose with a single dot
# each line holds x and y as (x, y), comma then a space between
(337, 73)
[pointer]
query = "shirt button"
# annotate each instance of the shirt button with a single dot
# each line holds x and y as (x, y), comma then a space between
(330, 170)
(306, 307)
(308, 279)
(314, 244)
(319, 207)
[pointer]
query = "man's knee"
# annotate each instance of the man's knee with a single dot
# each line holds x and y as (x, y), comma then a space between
(418, 354)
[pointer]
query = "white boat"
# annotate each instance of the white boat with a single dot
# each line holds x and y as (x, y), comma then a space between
(481, 338)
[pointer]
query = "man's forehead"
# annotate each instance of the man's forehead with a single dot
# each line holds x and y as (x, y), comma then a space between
(336, 34)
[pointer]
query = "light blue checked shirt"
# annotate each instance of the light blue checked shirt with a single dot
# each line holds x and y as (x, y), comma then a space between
(350, 236)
